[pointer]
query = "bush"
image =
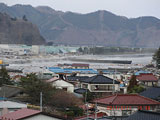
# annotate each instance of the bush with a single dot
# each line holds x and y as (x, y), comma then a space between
(63, 99)
(137, 89)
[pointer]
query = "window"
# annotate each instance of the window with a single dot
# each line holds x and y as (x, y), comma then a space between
(85, 86)
(126, 112)
(65, 89)
(102, 87)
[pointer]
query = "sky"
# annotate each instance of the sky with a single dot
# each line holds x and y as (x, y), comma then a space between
(128, 8)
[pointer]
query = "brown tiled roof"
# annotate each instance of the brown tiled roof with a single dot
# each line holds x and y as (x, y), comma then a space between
(25, 113)
(149, 77)
(80, 65)
(19, 114)
(126, 99)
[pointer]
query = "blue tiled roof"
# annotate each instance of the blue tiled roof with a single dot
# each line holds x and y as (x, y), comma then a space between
(66, 70)
(54, 68)
(3, 98)
(141, 71)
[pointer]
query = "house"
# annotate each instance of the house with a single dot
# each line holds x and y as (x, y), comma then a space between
(100, 84)
(147, 79)
(144, 115)
(16, 78)
(75, 80)
(10, 91)
(10, 106)
(125, 104)
(152, 93)
(29, 114)
(61, 84)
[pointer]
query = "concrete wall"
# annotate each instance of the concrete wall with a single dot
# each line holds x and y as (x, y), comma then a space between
(61, 84)
(41, 117)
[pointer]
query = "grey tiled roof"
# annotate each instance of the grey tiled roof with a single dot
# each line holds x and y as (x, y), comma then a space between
(144, 115)
(100, 79)
(80, 90)
(153, 93)
(9, 91)
(79, 78)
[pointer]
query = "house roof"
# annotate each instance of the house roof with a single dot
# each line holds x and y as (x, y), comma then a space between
(75, 78)
(25, 113)
(144, 115)
(3, 98)
(12, 104)
(9, 91)
(19, 114)
(152, 92)
(126, 99)
(149, 77)
(52, 79)
(60, 82)
(142, 72)
(69, 70)
(80, 65)
(80, 90)
(99, 79)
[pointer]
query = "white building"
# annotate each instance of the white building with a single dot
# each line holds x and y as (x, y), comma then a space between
(125, 104)
(61, 84)
(35, 49)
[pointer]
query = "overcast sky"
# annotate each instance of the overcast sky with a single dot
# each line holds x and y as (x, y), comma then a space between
(128, 8)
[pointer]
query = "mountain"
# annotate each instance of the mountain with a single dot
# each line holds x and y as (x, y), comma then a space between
(18, 31)
(97, 28)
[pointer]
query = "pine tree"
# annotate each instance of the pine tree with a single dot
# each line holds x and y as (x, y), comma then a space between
(33, 86)
(4, 77)
(132, 83)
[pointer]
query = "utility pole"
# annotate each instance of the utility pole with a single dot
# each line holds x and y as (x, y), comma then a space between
(95, 111)
(41, 101)
(86, 103)
(114, 77)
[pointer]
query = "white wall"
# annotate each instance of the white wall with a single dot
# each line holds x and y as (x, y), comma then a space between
(63, 84)
(117, 88)
(114, 112)
(35, 49)
(4, 46)
(41, 117)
